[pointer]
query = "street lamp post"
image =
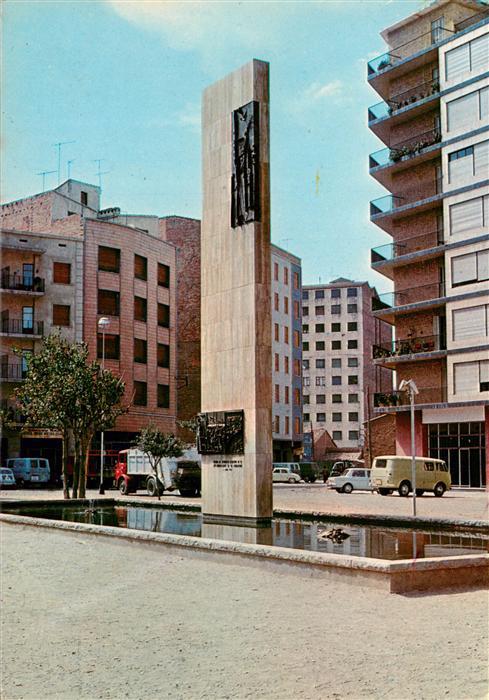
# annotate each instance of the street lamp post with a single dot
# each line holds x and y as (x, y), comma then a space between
(410, 387)
(102, 324)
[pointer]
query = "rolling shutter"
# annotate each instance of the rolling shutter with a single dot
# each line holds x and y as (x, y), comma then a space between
(483, 265)
(461, 169)
(466, 377)
(466, 216)
(481, 160)
(463, 111)
(457, 62)
(479, 54)
(484, 103)
(464, 269)
(469, 323)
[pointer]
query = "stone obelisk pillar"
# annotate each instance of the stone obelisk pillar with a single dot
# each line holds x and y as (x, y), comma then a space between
(236, 433)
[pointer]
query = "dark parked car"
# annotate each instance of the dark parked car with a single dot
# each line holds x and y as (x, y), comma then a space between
(309, 471)
(188, 478)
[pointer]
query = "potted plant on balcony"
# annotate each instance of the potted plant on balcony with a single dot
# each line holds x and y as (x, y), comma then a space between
(385, 63)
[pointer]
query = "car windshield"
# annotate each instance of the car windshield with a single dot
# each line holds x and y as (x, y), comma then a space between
(5, 471)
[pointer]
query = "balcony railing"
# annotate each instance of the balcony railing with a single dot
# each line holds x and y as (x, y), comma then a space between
(383, 205)
(390, 202)
(409, 346)
(413, 295)
(379, 111)
(391, 251)
(405, 149)
(13, 372)
(22, 283)
(409, 48)
(18, 326)
(414, 94)
(473, 19)
(391, 399)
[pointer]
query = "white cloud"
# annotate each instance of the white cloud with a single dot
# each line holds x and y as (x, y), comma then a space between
(190, 117)
(318, 91)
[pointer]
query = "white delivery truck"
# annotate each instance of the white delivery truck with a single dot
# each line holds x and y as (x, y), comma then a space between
(134, 471)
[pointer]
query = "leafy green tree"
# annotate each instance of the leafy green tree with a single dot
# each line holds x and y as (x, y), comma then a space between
(157, 445)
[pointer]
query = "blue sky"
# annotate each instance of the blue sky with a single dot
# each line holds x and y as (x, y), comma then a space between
(124, 79)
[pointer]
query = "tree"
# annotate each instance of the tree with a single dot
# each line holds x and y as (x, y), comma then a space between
(157, 445)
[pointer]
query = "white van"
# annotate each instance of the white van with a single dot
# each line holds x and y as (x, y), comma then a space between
(393, 473)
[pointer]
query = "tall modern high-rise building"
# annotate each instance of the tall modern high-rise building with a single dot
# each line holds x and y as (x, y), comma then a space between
(434, 121)
(339, 378)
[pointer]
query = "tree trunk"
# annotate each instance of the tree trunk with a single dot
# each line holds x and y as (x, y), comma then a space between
(85, 442)
(66, 490)
(76, 467)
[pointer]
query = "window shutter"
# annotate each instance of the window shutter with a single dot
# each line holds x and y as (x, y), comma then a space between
(466, 216)
(479, 49)
(464, 269)
(485, 210)
(466, 377)
(457, 61)
(483, 265)
(461, 169)
(462, 112)
(469, 323)
(484, 103)
(481, 159)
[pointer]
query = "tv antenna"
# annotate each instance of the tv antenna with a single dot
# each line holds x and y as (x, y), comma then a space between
(68, 168)
(99, 172)
(59, 146)
(44, 173)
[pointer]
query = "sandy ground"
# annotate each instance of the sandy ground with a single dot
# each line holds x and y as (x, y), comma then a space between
(316, 497)
(87, 618)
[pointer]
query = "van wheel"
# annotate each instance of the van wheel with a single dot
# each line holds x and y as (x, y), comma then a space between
(123, 488)
(151, 487)
(439, 489)
(419, 492)
(404, 488)
(347, 488)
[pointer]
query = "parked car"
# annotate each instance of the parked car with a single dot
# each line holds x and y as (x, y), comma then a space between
(309, 471)
(7, 478)
(285, 475)
(351, 480)
(341, 466)
(188, 478)
(29, 470)
(394, 473)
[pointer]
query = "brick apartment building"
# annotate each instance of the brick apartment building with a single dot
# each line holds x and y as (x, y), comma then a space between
(64, 266)
(339, 378)
(434, 121)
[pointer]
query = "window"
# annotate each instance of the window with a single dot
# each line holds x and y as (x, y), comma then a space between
(353, 379)
(163, 354)
(140, 267)
(286, 364)
(164, 315)
(471, 377)
(276, 301)
(61, 315)
(319, 310)
(353, 417)
(109, 346)
(287, 425)
(469, 162)
(286, 305)
(297, 397)
(320, 417)
(306, 398)
(140, 394)
(336, 327)
(353, 362)
(470, 322)
(297, 425)
(109, 259)
(108, 302)
(305, 364)
(336, 345)
(305, 311)
(305, 328)
(336, 362)
(61, 273)
(140, 309)
(286, 277)
(337, 435)
(337, 417)
(277, 393)
(468, 58)
(163, 397)
(297, 368)
(352, 344)
(276, 424)
(319, 294)
(287, 395)
(353, 435)
(305, 294)
(275, 271)
(296, 338)
(352, 326)
(295, 277)
(353, 398)
(437, 30)
(319, 327)
(336, 380)
(163, 275)
(470, 268)
(297, 312)
(470, 215)
(84, 198)
(286, 335)
(335, 293)
(320, 381)
(320, 345)
(276, 332)
(305, 346)
(320, 364)
(352, 292)
(320, 398)
(352, 308)
(277, 362)
(336, 309)
(465, 113)
(336, 398)
(306, 418)
(140, 351)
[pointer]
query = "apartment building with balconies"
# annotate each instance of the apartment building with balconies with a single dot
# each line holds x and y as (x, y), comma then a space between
(434, 122)
(286, 355)
(339, 377)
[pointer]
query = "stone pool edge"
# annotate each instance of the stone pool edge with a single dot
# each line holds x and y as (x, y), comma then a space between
(400, 576)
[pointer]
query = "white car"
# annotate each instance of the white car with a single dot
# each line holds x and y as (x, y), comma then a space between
(350, 480)
(7, 478)
(285, 475)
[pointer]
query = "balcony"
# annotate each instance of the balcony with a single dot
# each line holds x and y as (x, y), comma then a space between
(14, 372)
(24, 284)
(424, 247)
(20, 327)
(400, 399)
(421, 297)
(396, 350)
(425, 196)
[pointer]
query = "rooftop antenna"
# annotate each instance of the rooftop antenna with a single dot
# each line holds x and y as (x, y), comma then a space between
(99, 172)
(319, 279)
(44, 173)
(68, 167)
(58, 146)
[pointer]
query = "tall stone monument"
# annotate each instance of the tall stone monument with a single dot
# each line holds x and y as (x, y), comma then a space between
(235, 427)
